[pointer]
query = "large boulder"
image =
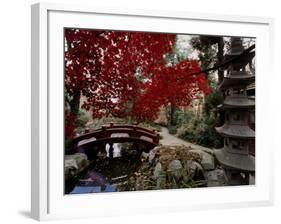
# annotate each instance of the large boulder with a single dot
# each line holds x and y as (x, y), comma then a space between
(166, 154)
(175, 168)
(158, 171)
(194, 169)
(152, 154)
(172, 167)
(174, 163)
(75, 164)
(207, 159)
(159, 175)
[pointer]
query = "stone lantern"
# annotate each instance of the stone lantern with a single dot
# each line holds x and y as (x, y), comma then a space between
(234, 157)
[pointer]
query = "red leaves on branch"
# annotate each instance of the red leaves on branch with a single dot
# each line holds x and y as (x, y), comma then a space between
(177, 85)
(103, 66)
(82, 58)
(124, 73)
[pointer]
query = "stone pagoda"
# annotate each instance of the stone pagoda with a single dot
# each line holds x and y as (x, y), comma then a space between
(234, 157)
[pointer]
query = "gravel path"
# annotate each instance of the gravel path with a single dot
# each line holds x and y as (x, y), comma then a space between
(168, 139)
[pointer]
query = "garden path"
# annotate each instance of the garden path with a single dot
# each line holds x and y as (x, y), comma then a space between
(168, 139)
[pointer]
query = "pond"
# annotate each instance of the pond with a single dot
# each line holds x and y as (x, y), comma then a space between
(105, 173)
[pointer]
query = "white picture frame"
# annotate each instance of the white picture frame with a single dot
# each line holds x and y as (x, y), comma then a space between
(48, 201)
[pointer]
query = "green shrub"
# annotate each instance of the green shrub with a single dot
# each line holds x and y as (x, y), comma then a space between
(201, 131)
(212, 101)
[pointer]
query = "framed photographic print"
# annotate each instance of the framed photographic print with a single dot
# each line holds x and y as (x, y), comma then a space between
(148, 111)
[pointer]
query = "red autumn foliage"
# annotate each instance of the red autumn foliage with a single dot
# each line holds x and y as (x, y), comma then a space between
(102, 65)
(124, 73)
(177, 85)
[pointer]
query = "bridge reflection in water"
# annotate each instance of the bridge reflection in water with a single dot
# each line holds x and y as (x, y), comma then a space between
(114, 152)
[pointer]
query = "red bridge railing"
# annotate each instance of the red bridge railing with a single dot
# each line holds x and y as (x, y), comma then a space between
(118, 133)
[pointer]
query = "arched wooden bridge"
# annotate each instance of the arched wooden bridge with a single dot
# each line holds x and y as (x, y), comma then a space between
(115, 133)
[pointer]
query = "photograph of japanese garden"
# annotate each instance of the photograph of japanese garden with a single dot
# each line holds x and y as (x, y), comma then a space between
(157, 111)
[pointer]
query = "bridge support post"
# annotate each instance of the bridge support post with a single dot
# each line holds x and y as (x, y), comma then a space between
(111, 149)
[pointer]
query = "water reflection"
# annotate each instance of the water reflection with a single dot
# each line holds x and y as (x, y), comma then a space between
(105, 173)
(116, 151)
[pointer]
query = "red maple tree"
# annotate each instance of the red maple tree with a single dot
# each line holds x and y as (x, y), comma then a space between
(125, 74)
(176, 86)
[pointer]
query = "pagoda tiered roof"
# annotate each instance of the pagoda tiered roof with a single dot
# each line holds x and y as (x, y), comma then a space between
(238, 102)
(237, 107)
(235, 161)
(237, 79)
(236, 131)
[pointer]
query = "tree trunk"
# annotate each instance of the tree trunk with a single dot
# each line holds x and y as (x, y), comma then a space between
(220, 58)
(75, 103)
(172, 112)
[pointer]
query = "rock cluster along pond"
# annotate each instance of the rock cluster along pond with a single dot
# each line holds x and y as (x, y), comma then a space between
(74, 165)
(171, 167)
(164, 167)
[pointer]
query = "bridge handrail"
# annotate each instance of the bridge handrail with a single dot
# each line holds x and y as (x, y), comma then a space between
(112, 128)
(153, 131)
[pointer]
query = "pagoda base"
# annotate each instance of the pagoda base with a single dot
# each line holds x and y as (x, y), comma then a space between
(233, 161)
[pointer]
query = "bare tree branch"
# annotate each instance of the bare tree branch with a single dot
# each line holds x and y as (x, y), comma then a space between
(246, 54)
